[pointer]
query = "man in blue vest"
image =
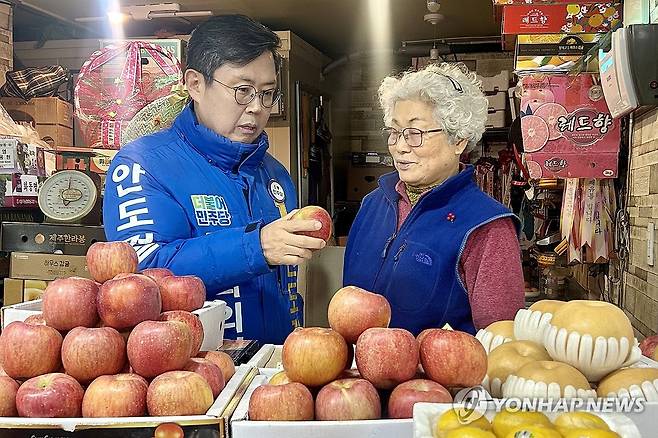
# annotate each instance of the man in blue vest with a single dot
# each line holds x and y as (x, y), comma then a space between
(205, 198)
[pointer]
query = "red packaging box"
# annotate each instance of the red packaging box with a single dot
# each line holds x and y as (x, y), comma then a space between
(540, 2)
(568, 131)
(561, 18)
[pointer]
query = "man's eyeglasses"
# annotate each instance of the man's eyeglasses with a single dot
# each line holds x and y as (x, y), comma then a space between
(412, 136)
(245, 94)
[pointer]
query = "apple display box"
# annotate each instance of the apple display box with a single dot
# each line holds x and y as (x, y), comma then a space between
(214, 424)
(268, 362)
(211, 316)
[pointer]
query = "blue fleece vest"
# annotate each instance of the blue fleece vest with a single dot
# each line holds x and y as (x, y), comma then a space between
(417, 267)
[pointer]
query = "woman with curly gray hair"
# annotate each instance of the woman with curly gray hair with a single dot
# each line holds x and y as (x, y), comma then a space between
(428, 239)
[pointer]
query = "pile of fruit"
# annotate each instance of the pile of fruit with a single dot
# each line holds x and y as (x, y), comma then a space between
(516, 424)
(394, 371)
(576, 349)
(120, 345)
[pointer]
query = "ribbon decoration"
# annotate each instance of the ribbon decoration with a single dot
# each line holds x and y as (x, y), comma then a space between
(127, 84)
(588, 210)
(568, 206)
(126, 96)
(179, 95)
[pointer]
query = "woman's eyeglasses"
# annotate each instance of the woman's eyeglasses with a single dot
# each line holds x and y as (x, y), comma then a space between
(412, 136)
(245, 94)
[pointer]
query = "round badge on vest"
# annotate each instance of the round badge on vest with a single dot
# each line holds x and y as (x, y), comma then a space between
(276, 191)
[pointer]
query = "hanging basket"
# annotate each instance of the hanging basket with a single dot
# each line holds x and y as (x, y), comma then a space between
(118, 82)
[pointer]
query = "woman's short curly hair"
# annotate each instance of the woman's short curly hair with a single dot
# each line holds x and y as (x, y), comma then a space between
(460, 107)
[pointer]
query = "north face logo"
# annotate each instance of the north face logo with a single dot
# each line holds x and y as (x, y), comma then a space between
(423, 258)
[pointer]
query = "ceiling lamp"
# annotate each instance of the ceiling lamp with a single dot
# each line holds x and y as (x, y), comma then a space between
(147, 12)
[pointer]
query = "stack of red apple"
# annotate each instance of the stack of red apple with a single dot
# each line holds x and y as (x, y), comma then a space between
(319, 360)
(123, 345)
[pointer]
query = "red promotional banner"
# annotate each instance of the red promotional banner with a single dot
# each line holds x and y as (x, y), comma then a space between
(561, 18)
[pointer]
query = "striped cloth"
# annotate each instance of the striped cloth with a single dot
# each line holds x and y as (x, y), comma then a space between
(34, 82)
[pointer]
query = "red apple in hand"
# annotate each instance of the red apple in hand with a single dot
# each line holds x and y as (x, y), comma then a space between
(353, 310)
(178, 393)
(120, 395)
(70, 302)
(53, 395)
(314, 356)
(222, 360)
(88, 353)
(405, 395)
(107, 259)
(192, 322)
(313, 212)
(28, 350)
(125, 302)
(155, 347)
(387, 357)
(453, 358)
(348, 399)
(157, 274)
(182, 293)
(8, 390)
(209, 371)
(286, 402)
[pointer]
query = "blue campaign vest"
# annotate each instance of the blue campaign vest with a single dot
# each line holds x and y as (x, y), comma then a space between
(417, 267)
(193, 201)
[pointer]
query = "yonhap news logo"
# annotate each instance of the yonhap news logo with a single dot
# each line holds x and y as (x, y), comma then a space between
(472, 403)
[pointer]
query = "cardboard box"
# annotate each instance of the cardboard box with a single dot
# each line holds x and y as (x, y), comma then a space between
(18, 291)
(99, 163)
(567, 128)
(174, 46)
(554, 52)
(12, 292)
(211, 315)
(241, 427)
(20, 191)
(497, 99)
(39, 110)
(55, 135)
(496, 118)
(214, 424)
(18, 157)
(363, 180)
(49, 238)
(561, 18)
(495, 84)
(46, 266)
(324, 276)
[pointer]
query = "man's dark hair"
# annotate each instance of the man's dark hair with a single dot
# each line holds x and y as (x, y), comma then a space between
(229, 39)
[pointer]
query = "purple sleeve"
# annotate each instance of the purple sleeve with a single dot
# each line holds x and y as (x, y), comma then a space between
(490, 267)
